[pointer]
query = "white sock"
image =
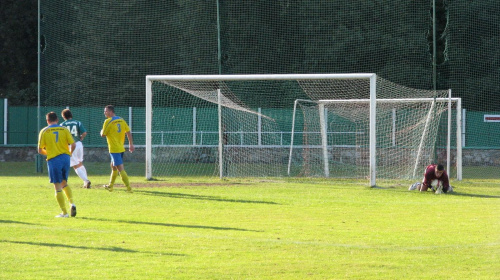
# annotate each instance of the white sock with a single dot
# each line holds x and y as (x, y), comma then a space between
(82, 173)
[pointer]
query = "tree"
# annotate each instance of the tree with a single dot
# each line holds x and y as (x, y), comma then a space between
(18, 51)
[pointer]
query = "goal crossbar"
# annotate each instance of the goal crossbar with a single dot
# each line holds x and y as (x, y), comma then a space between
(256, 77)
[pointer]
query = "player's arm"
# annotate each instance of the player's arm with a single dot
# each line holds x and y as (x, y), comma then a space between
(41, 145)
(72, 147)
(70, 141)
(445, 180)
(427, 177)
(103, 130)
(42, 151)
(131, 147)
(82, 136)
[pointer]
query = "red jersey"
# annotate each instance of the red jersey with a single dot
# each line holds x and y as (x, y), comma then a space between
(430, 175)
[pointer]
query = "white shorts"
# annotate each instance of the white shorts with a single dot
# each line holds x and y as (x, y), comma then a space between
(77, 155)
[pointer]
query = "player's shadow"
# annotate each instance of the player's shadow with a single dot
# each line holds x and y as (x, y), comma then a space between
(15, 222)
(169, 224)
(201, 197)
(473, 195)
(111, 249)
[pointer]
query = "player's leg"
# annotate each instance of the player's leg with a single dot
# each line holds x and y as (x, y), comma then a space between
(55, 169)
(114, 171)
(61, 201)
(415, 186)
(423, 187)
(77, 164)
(66, 189)
(124, 176)
(118, 164)
(69, 195)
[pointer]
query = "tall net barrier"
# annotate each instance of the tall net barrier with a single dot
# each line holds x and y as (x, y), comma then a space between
(94, 53)
(471, 67)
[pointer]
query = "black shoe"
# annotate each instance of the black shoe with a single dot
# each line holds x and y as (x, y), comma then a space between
(73, 211)
(87, 185)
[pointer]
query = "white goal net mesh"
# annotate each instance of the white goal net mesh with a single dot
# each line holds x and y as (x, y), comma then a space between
(409, 123)
(186, 131)
(255, 127)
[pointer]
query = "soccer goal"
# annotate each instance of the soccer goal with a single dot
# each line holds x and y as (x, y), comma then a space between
(341, 138)
(241, 125)
(225, 125)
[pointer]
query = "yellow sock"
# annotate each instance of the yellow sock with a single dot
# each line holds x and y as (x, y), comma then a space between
(61, 202)
(69, 194)
(112, 179)
(125, 180)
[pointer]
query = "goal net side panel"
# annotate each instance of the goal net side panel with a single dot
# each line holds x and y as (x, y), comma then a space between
(409, 136)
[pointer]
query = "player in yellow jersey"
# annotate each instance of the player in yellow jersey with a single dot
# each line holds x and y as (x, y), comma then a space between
(57, 144)
(115, 129)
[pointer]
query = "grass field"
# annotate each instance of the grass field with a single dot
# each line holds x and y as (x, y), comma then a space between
(247, 228)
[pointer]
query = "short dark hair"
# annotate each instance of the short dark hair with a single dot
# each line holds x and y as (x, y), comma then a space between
(110, 108)
(66, 114)
(51, 117)
(440, 167)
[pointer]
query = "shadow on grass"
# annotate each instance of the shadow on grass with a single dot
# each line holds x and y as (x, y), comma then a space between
(200, 197)
(473, 195)
(429, 191)
(169, 225)
(15, 222)
(110, 249)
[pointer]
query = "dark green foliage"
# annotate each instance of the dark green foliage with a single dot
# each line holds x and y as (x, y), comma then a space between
(18, 51)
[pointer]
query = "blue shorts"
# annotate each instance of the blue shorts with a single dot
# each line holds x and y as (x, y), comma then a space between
(58, 168)
(116, 159)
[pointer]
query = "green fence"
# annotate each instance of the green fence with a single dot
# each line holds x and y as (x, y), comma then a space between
(22, 126)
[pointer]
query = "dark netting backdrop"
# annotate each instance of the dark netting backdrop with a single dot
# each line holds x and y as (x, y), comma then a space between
(96, 53)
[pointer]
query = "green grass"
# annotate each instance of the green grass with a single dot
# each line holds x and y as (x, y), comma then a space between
(272, 228)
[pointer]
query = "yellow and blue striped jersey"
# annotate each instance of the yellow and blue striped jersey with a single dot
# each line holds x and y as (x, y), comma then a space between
(115, 129)
(55, 139)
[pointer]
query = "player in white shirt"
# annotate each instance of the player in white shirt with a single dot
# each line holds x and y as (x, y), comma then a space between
(78, 132)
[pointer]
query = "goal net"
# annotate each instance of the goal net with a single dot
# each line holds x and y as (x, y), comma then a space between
(331, 138)
(214, 126)
(246, 125)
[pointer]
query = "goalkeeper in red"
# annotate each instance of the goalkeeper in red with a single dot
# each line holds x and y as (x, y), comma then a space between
(435, 178)
(115, 129)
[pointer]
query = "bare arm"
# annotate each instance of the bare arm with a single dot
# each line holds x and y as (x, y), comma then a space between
(83, 136)
(42, 151)
(131, 147)
(72, 148)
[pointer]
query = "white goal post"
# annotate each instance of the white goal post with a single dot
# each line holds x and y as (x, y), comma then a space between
(424, 123)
